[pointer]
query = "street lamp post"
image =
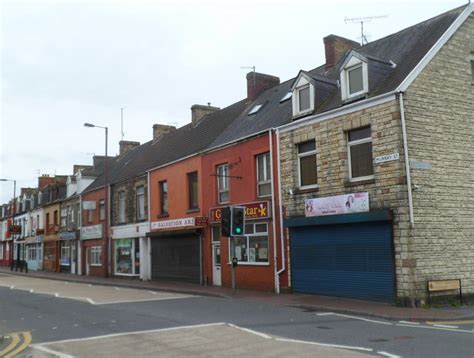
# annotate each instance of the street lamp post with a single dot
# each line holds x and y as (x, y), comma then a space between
(106, 172)
(13, 213)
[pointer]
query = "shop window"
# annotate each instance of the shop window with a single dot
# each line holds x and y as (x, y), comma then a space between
(121, 207)
(140, 202)
(65, 253)
(127, 257)
(360, 154)
(307, 164)
(193, 191)
(264, 184)
(101, 210)
(216, 234)
(1, 252)
(163, 197)
(223, 183)
(95, 256)
(253, 247)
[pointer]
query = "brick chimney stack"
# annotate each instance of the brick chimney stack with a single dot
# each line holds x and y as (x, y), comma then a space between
(159, 130)
(198, 111)
(259, 82)
(126, 145)
(44, 180)
(335, 47)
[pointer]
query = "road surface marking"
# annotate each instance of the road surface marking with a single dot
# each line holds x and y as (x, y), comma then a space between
(444, 326)
(324, 344)
(56, 294)
(52, 352)
(153, 292)
(141, 300)
(324, 314)
(135, 332)
(407, 322)
(436, 328)
(21, 347)
(31, 291)
(12, 287)
(386, 354)
(15, 340)
(266, 336)
(362, 319)
(469, 321)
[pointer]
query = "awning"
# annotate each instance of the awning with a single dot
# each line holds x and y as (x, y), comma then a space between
(378, 215)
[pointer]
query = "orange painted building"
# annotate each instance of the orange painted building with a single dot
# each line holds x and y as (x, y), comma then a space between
(176, 221)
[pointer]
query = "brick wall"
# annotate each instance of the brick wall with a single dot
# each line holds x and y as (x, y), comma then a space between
(439, 109)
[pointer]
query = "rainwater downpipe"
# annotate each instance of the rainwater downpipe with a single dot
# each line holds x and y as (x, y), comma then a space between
(275, 258)
(147, 254)
(407, 160)
(280, 206)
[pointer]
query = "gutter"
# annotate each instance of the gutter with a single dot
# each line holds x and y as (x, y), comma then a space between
(280, 213)
(275, 258)
(407, 160)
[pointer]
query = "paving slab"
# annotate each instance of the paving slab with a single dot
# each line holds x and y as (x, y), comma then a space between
(213, 340)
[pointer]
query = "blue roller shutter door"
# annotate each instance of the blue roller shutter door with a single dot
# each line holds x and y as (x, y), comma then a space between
(349, 260)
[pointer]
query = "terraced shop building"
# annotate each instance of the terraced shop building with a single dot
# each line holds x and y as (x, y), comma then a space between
(377, 168)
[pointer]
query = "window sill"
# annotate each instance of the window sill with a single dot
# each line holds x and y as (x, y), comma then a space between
(350, 183)
(95, 265)
(190, 211)
(251, 263)
(306, 189)
(302, 114)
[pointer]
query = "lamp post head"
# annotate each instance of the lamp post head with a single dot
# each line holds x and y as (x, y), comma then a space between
(89, 125)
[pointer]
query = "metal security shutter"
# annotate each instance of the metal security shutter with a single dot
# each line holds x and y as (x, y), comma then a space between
(347, 260)
(176, 258)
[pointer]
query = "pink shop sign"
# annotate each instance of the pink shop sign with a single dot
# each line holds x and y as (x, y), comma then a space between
(339, 204)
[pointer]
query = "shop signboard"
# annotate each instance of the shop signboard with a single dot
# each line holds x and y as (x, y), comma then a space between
(89, 205)
(15, 229)
(171, 224)
(253, 211)
(339, 204)
(91, 232)
(67, 235)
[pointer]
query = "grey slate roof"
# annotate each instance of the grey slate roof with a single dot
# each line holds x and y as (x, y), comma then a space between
(405, 48)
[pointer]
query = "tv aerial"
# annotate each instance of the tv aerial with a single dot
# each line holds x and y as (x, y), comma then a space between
(361, 20)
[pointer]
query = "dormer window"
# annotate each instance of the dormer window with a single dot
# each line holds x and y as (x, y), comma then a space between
(354, 78)
(303, 95)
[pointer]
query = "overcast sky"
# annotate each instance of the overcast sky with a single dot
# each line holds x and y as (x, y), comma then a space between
(64, 63)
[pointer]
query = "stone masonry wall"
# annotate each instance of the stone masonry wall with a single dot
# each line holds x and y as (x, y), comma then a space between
(130, 200)
(439, 108)
(388, 190)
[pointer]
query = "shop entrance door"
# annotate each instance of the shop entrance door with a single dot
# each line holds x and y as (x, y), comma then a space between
(88, 253)
(216, 264)
(73, 257)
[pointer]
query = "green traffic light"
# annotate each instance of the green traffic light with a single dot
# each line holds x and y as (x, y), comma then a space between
(238, 230)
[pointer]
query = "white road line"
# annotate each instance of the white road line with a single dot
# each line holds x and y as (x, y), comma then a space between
(386, 354)
(90, 301)
(363, 319)
(56, 294)
(325, 344)
(136, 332)
(324, 314)
(141, 300)
(12, 287)
(445, 326)
(51, 352)
(407, 322)
(436, 328)
(153, 292)
(31, 291)
(263, 335)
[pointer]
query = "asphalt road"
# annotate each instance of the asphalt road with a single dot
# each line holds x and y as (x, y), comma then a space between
(49, 317)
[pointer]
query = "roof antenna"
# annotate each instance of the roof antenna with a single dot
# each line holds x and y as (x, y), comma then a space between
(361, 20)
(121, 122)
(254, 77)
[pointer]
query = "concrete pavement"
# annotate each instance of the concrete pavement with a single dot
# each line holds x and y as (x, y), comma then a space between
(309, 302)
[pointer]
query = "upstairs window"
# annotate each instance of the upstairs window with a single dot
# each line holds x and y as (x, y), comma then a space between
(140, 193)
(303, 99)
(354, 78)
(223, 183)
(360, 154)
(263, 175)
(302, 95)
(101, 210)
(163, 197)
(193, 191)
(121, 207)
(307, 164)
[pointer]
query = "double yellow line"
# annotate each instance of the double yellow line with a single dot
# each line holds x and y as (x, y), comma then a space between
(19, 342)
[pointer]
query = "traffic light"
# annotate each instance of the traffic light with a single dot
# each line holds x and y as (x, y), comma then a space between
(225, 221)
(238, 221)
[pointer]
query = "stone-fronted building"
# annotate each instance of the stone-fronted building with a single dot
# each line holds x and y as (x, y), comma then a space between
(376, 169)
